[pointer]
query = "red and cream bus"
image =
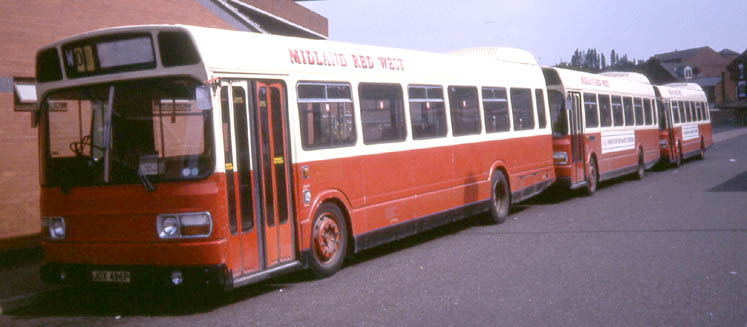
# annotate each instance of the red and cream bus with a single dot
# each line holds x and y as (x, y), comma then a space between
(684, 121)
(604, 126)
(196, 156)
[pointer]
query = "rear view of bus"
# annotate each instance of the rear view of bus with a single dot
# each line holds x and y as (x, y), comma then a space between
(127, 155)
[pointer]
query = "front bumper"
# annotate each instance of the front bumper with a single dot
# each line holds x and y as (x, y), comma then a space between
(193, 277)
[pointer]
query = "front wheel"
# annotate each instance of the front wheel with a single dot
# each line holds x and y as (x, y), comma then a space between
(500, 198)
(329, 240)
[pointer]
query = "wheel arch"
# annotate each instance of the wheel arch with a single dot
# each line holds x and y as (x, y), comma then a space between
(339, 199)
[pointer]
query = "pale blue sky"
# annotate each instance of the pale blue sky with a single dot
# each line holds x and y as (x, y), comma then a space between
(551, 30)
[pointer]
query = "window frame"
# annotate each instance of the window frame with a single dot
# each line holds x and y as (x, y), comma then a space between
(452, 101)
(325, 84)
(401, 110)
(496, 100)
(427, 99)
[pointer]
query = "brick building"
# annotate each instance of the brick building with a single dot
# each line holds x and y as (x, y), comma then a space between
(703, 66)
(27, 25)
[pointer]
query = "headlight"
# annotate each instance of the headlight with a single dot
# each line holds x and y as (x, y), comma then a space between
(560, 158)
(184, 225)
(53, 227)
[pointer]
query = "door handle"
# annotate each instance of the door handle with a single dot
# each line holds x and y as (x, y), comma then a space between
(591, 137)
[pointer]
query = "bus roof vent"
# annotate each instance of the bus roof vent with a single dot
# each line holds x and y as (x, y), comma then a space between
(635, 77)
(498, 53)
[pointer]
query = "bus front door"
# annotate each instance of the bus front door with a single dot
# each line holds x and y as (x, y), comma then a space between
(273, 163)
(245, 249)
(577, 155)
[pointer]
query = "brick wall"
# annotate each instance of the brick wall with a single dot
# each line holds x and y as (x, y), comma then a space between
(26, 26)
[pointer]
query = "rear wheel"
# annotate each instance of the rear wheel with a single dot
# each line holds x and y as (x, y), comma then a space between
(500, 198)
(641, 171)
(329, 240)
(701, 155)
(593, 181)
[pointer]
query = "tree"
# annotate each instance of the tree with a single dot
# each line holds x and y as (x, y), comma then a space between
(604, 62)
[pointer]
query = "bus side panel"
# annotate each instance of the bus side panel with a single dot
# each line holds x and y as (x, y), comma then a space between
(705, 132)
(648, 139)
(390, 188)
(611, 162)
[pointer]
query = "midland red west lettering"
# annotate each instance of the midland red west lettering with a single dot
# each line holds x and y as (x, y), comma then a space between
(307, 57)
(363, 61)
(320, 58)
(391, 63)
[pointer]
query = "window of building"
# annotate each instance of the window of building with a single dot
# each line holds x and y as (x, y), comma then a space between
(638, 109)
(539, 96)
(590, 110)
(465, 112)
(382, 113)
(521, 109)
(617, 110)
(628, 109)
(605, 113)
(326, 115)
(495, 106)
(688, 72)
(24, 94)
(427, 111)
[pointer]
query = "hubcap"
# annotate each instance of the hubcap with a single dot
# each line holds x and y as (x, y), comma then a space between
(326, 238)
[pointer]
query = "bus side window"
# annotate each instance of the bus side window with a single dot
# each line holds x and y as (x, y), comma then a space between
(638, 108)
(495, 107)
(427, 112)
(605, 113)
(465, 114)
(590, 110)
(382, 113)
(628, 110)
(540, 99)
(326, 116)
(521, 108)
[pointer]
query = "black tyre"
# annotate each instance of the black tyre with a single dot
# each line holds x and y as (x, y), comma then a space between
(641, 171)
(701, 155)
(329, 240)
(500, 197)
(593, 181)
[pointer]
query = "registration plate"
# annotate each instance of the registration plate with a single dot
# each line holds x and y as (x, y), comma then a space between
(110, 276)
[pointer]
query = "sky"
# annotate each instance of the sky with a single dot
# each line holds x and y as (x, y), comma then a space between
(551, 30)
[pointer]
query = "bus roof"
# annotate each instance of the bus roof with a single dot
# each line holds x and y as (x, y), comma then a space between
(601, 83)
(236, 52)
(682, 91)
(498, 53)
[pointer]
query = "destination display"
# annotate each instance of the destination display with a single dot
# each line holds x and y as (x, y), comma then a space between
(104, 56)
